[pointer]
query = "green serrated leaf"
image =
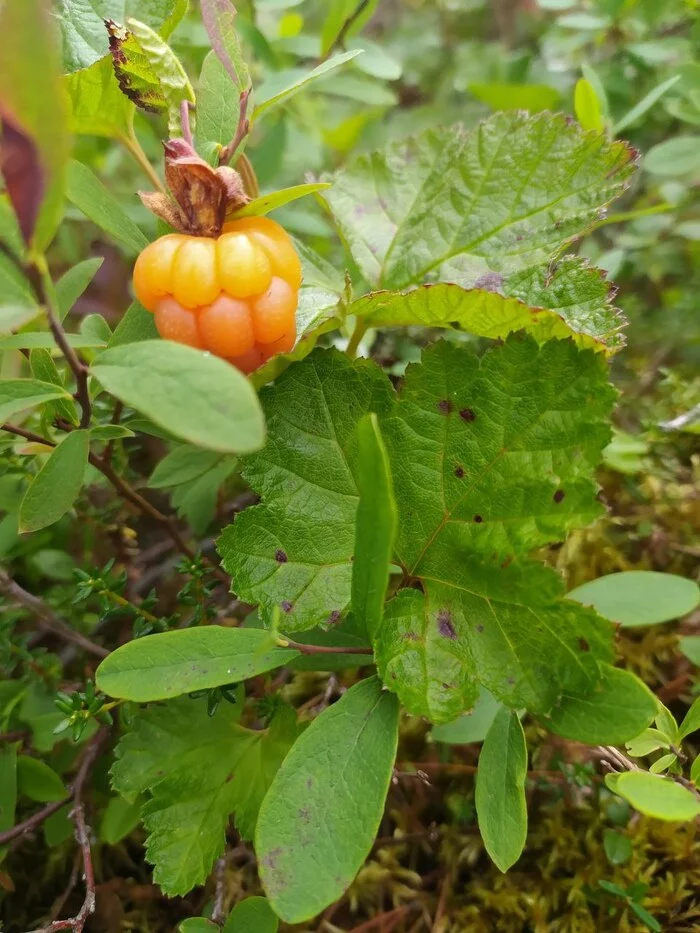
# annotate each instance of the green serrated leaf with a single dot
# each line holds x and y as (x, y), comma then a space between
(294, 550)
(197, 770)
(169, 664)
(20, 394)
(500, 790)
(215, 408)
(83, 30)
(375, 527)
(419, 204)
(283, 85)
(617, 709)
(97, 106)
(352, 746)
(90, 196)
(56, 486)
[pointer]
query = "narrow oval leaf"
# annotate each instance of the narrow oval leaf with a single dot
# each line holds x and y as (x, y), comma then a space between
(270, 202)
(500, 790)
(90, 196)
(658, 797)
(639, 597)
(618, 708)
(587, 106)
(18, 394)
(44, 368)
(691, 722)
(279, 87)
(55, 487)
(646, 103)
(119, 819)
(197, 397)
(73, 283)
(36, 780)
(321, 814)
(253, 915)
(375, 527)
(169, 664)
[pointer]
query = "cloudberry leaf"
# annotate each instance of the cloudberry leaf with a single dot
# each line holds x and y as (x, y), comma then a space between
(492, 458)
(504, 197)
(294, 550)
(197, 771)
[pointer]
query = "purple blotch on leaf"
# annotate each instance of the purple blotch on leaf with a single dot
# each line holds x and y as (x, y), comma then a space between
(445, 626)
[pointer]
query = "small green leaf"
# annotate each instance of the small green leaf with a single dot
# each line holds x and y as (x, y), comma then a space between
(690, 647)
(695, 772)
(666, 723)
(283, 85)
(20, 394)
(182, 465)
(252, 915)
(674, 157)
(44, 369)
(214, 407)
(110, 432)
(691, 723)
(36, 780)
(56, 486)
(308, 810)
(73, 283)
(639, 597)
(8, 789)
(169, 664)
(648, 741)
(375, 527)
(659, 797)
(270, 202)
(502, 96)
(472, 726)
(587, 106)
(198, 925)
(119, 819)
(645, 104)
(97, 105)
(31, 95)
(90, 196)
(647, 919)
(136, 325)
(663, 764)
(619, 707)
(148, 71)
(500, 790)
(618, 847)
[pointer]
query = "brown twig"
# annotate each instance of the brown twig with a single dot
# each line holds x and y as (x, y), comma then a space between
(242, 130)
(345, 29)
(16, 735)
(132, 496)
(82, 835)
(36, 819)
(217, 913)
(322, 649)
(50, 621)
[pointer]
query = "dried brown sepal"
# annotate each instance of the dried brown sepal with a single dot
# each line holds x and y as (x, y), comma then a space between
(202, 195)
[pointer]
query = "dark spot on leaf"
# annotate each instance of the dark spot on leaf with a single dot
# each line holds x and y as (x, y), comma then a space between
(229, 777)
(583, 645)
(411, 636)
(478, 519)
(507, 562)
(445, 626)
(467, 414)
(447, 687)
(558, 495)
(455, 325)
(281, 556)
(286, 606)
(444, 406)
(270, 860)
(334, 617)
(305, 815)
(393, 675)
(309, 783)
(491, 282)
(510, 681)
(480, 628)
(459, 472)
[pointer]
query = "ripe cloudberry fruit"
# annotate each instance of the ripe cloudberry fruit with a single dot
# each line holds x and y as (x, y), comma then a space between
(235, 296)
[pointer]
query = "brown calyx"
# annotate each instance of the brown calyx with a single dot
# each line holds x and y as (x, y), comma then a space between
(201, 196)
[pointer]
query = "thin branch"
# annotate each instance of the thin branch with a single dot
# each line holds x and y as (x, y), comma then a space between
(51, 622)
(217, 913)
(339, 40)
(82, 835)
(322, 649)
(132, 496)
(36, 819)
(16, 735)
(242, 130)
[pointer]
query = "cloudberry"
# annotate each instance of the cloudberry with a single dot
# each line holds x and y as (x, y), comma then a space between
(235, 296)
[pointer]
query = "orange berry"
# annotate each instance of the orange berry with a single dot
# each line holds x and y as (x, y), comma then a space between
(249, 361)
(284, 345)
(243, 267)
(152, 272)
(174, 322)
(194, 279)
(276, 243)
(226, 326)
(273, 312)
